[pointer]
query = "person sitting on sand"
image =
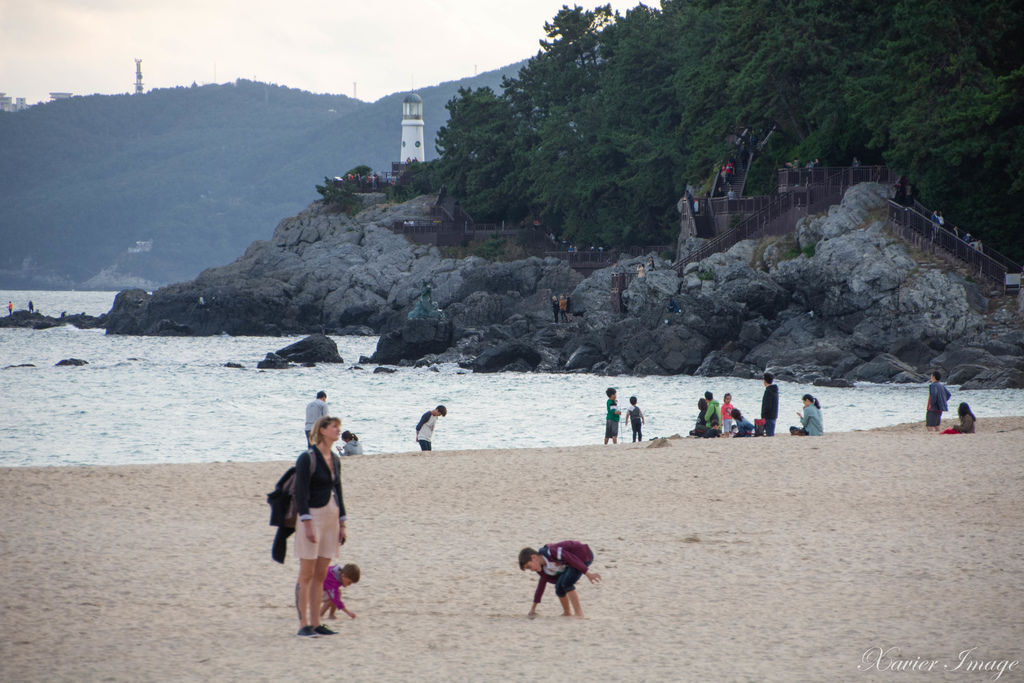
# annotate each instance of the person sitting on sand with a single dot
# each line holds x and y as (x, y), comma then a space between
(352, 445)
(702, 422)
(336, 579)
(744, 427)
(714, 426)
(561, 564)
(811, 419)
(966, 424)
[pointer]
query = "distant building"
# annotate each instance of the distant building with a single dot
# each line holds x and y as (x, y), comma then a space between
(17, 105)
(413, 148)
(60, 96)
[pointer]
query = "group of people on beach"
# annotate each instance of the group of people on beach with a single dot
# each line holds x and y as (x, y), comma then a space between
(320, 507)
(938, 397)
(715, 419)
(321, 518)
(321, 531)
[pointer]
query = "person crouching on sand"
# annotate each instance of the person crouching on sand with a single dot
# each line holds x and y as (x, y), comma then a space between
(336, 579)
(561, 564)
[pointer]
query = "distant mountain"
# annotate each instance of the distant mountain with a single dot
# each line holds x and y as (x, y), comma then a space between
(141, 190)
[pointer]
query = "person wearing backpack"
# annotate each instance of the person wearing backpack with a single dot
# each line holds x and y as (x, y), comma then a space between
(321, 526)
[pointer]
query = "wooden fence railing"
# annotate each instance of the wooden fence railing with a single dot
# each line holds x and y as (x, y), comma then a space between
(801, 192)
(916, 228)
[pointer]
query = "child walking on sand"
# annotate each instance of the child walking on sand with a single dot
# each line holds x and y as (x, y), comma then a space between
(561, 564)
(636, 419)
(336, 579)
(611, 423)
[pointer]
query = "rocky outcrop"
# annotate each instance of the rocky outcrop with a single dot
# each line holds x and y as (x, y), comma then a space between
(327, 272)
(838, 301)
(38, 321)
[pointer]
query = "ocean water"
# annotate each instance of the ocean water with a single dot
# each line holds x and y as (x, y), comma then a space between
(144, 400)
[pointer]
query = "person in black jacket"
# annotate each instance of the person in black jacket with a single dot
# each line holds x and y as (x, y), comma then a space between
(321, 527)
(770, 404)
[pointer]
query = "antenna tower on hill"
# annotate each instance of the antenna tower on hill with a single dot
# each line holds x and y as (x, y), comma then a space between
(138, 76)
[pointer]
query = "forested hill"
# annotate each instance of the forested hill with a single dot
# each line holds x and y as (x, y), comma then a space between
(199, 172)
(601, 132)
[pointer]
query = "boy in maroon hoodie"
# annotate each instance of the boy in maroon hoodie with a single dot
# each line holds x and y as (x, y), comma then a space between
(561, 564)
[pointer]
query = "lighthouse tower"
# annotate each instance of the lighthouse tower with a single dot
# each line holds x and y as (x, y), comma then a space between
(412, 129)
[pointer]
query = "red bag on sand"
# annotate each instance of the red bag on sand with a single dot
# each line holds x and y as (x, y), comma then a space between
(758, 427)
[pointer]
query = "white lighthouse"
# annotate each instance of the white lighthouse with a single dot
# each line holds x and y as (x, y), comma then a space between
(412, 129)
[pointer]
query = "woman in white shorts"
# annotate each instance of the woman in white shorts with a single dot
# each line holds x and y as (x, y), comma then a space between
(321, 520)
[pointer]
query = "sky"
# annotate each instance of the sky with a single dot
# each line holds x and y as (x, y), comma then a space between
(362, 48)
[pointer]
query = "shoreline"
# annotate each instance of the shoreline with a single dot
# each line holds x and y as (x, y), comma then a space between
(775, 559)
(987, 425)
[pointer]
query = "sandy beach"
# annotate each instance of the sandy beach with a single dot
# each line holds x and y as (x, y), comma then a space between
(817, 559)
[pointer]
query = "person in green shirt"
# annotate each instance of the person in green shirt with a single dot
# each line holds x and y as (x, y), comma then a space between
(611, 425)
(714, 407)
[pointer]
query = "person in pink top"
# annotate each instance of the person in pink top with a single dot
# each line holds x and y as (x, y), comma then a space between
(336, 579)
(727, 407)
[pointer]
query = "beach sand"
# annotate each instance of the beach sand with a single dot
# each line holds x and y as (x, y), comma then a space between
(723, 559)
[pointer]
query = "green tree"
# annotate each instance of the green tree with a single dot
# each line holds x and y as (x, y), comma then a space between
(339, 195)
(480, 150)
(947, 110)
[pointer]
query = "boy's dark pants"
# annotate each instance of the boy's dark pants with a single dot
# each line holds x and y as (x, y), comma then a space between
(637, 434)
(567, 581)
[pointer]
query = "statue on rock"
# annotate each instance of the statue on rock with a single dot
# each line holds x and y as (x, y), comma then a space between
(425, 308)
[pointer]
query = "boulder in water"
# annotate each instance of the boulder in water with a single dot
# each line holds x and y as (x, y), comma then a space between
(273, 362)
(316, 348)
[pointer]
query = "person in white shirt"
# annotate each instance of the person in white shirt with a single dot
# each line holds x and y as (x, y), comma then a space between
(425, 427)
(315, 409)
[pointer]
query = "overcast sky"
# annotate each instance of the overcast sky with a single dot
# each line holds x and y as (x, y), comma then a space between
(381, 46)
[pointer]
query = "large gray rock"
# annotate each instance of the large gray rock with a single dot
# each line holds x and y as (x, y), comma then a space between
(274, 362)
(584, 357)
(316, 348)
(524, 356)
(996, 378)
(415, 339)
(883, 368)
